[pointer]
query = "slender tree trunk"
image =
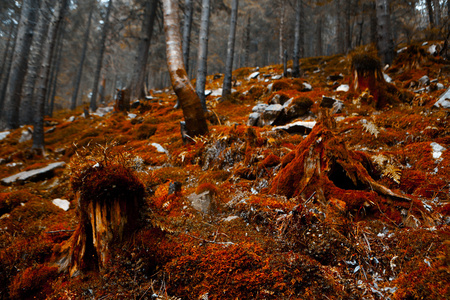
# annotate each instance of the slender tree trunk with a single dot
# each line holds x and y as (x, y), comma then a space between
(56, 20)
(319, 36)
(230, 50)
(25, 33)
(6, 66)
(98, 70)
(140, 68)
(187, 26)
(246, 43)
(6, 52)
(52, 95)
(373, 22)
(430, 13)
(34, 64)
(437, 12)
(297, 41)
(194, 116)
(385, 41)
(281, 31)
(77, 79)
(203, 53)
(348, 29)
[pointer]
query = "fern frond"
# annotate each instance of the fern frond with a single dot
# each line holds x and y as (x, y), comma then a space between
(380, 159)
(393, 173)
(371, 128)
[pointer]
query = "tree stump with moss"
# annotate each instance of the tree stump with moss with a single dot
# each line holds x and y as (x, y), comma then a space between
(122, 100)
(110, 201)
(323, 166)
(367, 75)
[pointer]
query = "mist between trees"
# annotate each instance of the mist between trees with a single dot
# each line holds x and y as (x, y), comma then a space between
(100, 46)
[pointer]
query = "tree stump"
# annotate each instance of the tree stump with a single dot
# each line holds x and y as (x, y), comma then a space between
(122, 100)
(367, 75)
(323, 166)
(110, 201)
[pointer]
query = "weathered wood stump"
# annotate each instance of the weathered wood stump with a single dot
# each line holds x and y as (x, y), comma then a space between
(323, 166)
(367, 75)
(122, 100)
(110, 201)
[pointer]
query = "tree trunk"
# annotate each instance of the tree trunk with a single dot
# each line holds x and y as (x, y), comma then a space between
(281, 31)
(25, 33)
(140, 68)
(56, 20)
(188, 14)
(55, 78)
(246, 43)
(93, 105)
(348, 29)
(226, 91)
(77, 79)
(297, 41)
(319, 36)
(34, 64)
(203, 53)
(190, 103)
(437, 12)
(373, 22)
(6, 67)
(430, 13)
(339, 28)
(385, 40)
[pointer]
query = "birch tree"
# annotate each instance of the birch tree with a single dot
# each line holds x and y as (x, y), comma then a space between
(187, 26)
(203, 53)
(226, 90)
(195, 121)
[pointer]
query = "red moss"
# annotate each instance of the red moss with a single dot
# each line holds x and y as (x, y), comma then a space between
(33, 281)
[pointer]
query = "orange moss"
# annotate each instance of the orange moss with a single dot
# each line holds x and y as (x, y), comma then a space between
(144, 131)
(212, 188)
(33, 281)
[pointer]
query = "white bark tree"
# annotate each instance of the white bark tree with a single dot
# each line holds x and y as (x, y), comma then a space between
(202, 67)
(226, 90)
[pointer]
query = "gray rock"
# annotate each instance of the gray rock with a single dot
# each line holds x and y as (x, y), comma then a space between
(299, 127)
(260, 107)
(444, 100)
(203, 202)
(277, 77)
(27, 134)
(33, 175)
(271, 114)
(295, 109)
(306, 87)
(278, 99)
(327, 102)
(253, 119)
(424, 81)
(254, 75)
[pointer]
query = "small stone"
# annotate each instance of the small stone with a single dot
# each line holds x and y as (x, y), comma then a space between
(202, 202)
(343, 88)
(260, 107)
(253, 119)
(424, 80)
(254, 75)
(61, 203)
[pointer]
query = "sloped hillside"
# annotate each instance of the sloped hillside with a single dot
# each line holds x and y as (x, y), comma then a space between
(326, 196)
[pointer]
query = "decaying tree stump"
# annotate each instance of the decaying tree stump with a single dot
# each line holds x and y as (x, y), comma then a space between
(110, 201)
(122, 100)
(322, 165)
(367, 75)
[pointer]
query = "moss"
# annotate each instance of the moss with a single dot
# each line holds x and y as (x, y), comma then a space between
(144, 131)
(32, 281)
(282, 84)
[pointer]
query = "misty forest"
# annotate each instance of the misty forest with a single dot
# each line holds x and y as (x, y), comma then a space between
(225, 149)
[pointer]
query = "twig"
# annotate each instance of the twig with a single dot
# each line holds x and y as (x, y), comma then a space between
(58, 231)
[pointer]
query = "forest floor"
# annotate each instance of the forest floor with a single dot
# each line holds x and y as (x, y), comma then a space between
(357, 209)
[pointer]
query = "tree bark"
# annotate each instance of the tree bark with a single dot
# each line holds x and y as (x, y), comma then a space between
(373, 22)
(190, 103)
(281, 31)
(140, 68)
(319, 36)
(93, 105)
(430, 13)
(187, 26)
(77, 79)
(385, 40)
(34, 64)
(6, 67)
(25, 33)
(56, 20)
(437, 12)
(339, 28)
(246, 42)
(54, 84)
(226, 90)
(202, 66)
(297, 41)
